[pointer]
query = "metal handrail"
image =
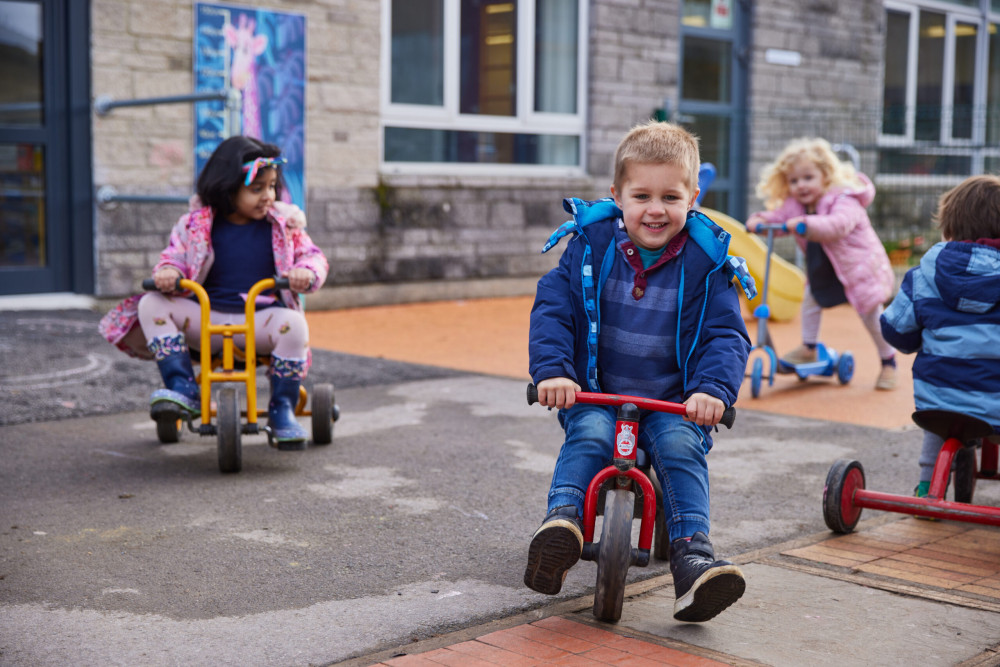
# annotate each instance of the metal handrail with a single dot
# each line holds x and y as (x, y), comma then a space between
(104, 104)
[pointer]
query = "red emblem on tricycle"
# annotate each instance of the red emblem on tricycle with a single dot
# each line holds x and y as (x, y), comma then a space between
(625, 440)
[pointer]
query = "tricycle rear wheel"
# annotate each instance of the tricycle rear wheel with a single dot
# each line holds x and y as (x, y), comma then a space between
(168, 431)
(322, 414)
(839, 511)
(965, 474)
(229, 431)
(613, 555)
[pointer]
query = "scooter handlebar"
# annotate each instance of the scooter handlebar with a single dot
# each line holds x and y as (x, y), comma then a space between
(728, 417)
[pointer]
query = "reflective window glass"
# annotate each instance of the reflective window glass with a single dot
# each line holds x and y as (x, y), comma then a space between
(930, 68)
(897, 40)
(418, 52)
(22, 206)
(708, 14)
(419, 145)
(963, 93)
(713, 141)
(993, 88)
(556, 23)
(707, 69)
(488, 57)
(21, 58)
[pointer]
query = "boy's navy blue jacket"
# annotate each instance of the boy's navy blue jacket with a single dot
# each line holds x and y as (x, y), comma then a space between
(712, 340)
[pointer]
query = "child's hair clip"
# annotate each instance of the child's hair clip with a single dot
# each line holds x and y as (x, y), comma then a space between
(252, 167)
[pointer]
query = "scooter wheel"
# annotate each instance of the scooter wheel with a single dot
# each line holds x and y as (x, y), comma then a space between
(839, 511)
(229, 431)
(756, 376)
(322, 414)
(614, 555)
(845, 368)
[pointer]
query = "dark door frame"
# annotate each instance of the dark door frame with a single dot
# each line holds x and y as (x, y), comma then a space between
(65, 135)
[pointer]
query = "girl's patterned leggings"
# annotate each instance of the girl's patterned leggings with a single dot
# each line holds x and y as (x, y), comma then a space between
(281, 332)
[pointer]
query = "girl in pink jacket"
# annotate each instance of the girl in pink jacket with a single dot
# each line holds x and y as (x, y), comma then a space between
(241, 235)
(845, 260)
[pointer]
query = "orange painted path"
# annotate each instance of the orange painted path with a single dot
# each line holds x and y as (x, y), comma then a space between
(491, 336)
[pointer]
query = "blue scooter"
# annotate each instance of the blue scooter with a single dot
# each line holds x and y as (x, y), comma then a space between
(827, 363)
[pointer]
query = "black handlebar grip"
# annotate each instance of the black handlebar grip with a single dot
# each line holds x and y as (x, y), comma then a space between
(532, 394)
(281, 283)
(149, 285)
(728, 417)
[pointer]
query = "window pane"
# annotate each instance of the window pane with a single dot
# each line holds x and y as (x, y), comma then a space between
(708, 14)
(706, 69)
(555, 55)
(22, 206)
(993, 87)
(902, 162)
(488, 57)
(930, 66)
(897, 42)
(404, 144)
(963, 96)
(21, 55)
(713, 141)
(418, 52)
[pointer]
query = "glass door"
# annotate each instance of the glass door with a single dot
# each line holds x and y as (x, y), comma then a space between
(713, 94)
(37, 229)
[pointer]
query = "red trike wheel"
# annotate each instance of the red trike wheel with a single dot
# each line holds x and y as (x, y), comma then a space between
(839, 511)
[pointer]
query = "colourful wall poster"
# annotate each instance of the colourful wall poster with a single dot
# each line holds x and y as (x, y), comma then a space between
(262, 54)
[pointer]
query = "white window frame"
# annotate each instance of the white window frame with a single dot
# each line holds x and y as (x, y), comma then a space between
(954, 14)
(448, 116)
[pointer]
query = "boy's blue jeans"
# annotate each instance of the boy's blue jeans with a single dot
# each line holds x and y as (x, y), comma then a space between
(676, 448)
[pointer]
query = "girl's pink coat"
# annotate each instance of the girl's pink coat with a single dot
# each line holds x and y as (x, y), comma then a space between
(842, 226)
(190, 252)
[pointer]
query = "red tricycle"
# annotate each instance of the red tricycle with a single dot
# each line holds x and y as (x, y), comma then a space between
(845, 495)
(624, 489)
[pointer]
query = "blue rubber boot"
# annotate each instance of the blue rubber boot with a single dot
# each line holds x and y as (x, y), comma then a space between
(286, 378)
(181, 397)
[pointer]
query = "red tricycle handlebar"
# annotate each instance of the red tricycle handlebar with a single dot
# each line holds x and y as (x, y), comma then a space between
(728, 417)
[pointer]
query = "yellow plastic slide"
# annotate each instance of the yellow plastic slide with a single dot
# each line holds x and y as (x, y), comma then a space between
(787, 283)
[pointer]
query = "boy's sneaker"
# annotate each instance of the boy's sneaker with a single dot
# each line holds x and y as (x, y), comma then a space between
(703, 586)
(886, 378)
(555, 548)
(800, 355)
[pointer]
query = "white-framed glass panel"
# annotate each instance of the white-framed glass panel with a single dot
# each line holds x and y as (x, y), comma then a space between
(490, 82)
(417, 53)
(941, 89)
(896, 61)
(930, 76)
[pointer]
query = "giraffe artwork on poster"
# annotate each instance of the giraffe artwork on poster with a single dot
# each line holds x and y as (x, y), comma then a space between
(246, 47)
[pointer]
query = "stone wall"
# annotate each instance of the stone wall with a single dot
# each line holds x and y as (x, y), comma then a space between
(835, 90)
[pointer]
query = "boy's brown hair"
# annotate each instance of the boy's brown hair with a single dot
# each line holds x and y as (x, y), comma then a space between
(970, 210)
(658, 142)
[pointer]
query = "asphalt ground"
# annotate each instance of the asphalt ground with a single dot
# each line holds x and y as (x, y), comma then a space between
(408, 534)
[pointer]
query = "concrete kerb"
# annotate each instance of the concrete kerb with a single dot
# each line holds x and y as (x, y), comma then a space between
(634, 590)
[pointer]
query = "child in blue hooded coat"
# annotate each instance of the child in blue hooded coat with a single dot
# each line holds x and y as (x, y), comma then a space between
(641, 303)
(947, 312)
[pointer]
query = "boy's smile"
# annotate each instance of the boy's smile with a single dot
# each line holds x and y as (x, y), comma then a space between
(654, 199)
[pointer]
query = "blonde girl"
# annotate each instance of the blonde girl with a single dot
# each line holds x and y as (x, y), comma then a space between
(824, 199)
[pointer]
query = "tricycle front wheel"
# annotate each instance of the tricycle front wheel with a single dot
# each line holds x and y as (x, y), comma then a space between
(229, 431)
(613, 555)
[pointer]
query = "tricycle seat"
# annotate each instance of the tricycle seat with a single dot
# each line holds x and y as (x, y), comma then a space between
(948, 424)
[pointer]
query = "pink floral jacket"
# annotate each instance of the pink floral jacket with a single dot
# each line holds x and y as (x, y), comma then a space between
(842, 226)
(190, 252)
